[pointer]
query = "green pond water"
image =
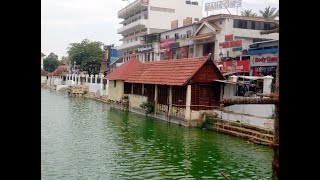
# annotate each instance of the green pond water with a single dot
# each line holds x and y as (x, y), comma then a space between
(85, 139)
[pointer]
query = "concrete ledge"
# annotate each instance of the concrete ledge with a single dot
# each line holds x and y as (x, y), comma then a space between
(261, 122)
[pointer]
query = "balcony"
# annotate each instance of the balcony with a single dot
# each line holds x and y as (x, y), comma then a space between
(139, 24)
(132, 8)
(133, 36)
(130, 45)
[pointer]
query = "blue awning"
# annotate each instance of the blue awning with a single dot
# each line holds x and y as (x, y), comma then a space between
(254, 51)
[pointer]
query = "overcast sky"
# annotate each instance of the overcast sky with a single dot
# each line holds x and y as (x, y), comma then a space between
(68, 21)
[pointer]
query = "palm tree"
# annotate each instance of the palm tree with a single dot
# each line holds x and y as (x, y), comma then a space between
(248, 13)
(269, 13)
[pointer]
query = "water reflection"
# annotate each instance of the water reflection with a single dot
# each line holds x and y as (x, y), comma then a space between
(84, 139)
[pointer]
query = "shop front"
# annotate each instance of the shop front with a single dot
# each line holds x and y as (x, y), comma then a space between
(146, 53)
(264, 65)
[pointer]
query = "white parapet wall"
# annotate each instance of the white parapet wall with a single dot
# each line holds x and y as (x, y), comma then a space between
(94, 88)
(69, 82)
(60, 87)
(57, 81)
(261, 122)
(260, 110)
(43, 79)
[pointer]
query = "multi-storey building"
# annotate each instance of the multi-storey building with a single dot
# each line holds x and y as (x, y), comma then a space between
(143, 17)
(226, 36)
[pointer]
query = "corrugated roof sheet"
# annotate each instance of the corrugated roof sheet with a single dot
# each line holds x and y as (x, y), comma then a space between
(123, 72)
(167, 72)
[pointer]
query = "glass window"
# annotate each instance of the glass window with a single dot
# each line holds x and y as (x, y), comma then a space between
(176, 36)
(189, 34)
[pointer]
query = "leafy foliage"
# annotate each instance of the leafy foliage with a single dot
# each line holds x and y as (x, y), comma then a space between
(269, 13)
(248, 13)
(87, 55)
(51, 62)
(148, 107)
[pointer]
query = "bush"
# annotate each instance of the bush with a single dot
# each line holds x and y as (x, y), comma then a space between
(207, 123)
(148, 107)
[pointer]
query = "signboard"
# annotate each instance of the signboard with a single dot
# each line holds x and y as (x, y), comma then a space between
(264, 60)
(205, 40)
(235, 66)
(231, 43)
(145, 48)
(164, 43)
(174, 45)
(222, 5)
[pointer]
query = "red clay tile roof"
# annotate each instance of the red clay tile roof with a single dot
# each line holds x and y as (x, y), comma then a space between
(60, 71)
(123, 72)
(167, 72)
(44, 73)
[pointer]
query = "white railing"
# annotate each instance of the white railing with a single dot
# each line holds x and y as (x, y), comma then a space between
(143, 22)
(134, 43)
(127, 8)
(133, 36)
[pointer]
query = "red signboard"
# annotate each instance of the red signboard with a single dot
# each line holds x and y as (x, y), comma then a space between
(165, 43)
(228, 37)
(230, 44)
(235, 66)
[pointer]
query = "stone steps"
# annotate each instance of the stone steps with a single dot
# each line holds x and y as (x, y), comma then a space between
(246, 126)
(253, 139)
(248, 132)
(252, 133)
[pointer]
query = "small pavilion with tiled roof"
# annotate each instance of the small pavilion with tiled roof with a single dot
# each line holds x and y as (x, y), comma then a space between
(180, 88)
(118, 76)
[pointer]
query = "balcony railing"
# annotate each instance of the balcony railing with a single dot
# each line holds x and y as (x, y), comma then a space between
(133, 36)
(141, 22)
(130, 7)
(131, 44)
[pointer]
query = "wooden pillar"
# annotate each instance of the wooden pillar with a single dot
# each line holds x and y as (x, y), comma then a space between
(188, 103)
(155, 98)
(275, 162)
(142, 89)
(132, 88)
(170, 101)
(221, 92)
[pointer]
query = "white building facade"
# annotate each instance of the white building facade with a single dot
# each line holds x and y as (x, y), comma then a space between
(143, 17)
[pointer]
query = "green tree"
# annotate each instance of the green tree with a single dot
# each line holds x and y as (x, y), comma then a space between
(51, 62)
(87, 55)
(269, 13)
(248, 13)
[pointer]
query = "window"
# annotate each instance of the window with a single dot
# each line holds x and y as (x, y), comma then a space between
(250, 24)
(176, 36)
(127, 88)
(115, 84)
(189, 34)
(137, 89)
(236, 23)
(167, 36)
